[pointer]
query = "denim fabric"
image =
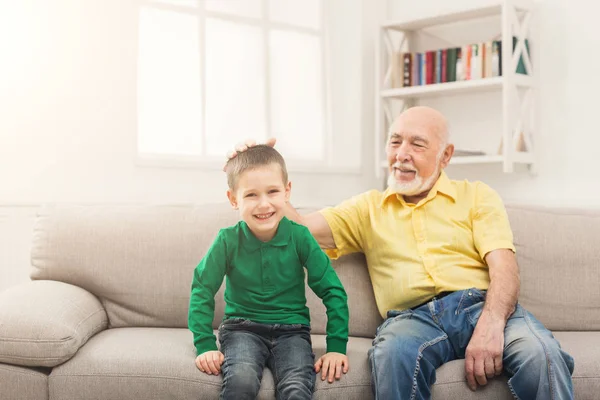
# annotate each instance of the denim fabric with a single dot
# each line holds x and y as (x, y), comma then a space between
(411, 344)
(248, 347)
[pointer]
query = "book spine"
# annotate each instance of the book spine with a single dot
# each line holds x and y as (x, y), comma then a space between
(460, 68)
(430, 69)
(423, 69)
(438, 66)
(407, 68)
(444, 69)
(467, 55)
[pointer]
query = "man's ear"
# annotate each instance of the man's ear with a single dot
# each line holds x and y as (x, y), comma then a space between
(288, 191)
(448, 152)
(232, 199)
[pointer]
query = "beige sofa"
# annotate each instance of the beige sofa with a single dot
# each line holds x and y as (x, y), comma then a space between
(105, 314)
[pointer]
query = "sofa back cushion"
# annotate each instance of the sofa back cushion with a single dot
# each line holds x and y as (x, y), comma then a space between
(139, 262)
(559, 259)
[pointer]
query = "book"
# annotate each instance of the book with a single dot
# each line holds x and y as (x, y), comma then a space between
(397, 75)
(444, 68)
(407, 69)
(466, 153)
(451, 60)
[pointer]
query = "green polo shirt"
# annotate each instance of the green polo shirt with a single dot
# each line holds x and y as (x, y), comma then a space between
(264, 282)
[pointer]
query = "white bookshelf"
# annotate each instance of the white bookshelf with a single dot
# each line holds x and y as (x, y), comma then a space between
(517, 120)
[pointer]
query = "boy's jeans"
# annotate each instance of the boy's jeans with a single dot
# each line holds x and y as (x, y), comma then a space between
(248, 347)
(411, 344)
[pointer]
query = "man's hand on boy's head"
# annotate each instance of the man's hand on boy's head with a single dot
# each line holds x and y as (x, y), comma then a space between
(243, 146)
(210, 362)
(332, 365)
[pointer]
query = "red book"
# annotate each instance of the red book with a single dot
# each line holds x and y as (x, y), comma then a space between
(430, 75)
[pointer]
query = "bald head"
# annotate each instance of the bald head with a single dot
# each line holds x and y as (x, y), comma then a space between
(422, 120)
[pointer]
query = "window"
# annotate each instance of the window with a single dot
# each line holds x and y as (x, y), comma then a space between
(212, 73)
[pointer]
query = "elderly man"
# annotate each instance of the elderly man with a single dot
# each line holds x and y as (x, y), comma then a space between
(441, 259)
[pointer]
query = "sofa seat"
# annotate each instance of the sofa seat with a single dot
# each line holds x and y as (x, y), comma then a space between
(159, 364)
(584, 347)
(21, 383)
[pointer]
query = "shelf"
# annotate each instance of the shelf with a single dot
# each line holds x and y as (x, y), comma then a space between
(456, 16)
(523, 158)
(487, 159)
(448, 88)
(516, 91)
(415, 24)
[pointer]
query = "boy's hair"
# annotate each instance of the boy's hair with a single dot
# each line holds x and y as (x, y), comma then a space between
(256, 156)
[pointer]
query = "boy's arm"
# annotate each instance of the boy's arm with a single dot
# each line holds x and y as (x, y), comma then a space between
(323, 280)
(208, 277)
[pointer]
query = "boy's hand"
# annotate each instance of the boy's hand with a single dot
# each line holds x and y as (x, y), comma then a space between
(241, 147)
(210, 362)
(332, 365)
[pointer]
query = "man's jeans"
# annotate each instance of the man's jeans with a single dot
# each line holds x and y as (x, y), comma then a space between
(248, 347)
(411, 344)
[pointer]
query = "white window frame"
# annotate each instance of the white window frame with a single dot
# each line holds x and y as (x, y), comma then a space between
(208, 162)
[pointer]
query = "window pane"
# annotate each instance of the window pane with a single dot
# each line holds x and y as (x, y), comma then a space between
(297, 94)
(244, 8)
(305, 13)
(235, 85)
(169, 101)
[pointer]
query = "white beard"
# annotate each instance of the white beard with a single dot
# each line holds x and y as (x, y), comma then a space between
(416, 186)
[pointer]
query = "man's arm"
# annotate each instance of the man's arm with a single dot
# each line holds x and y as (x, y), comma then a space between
(316, 224)
(505, 283)
(483, 357)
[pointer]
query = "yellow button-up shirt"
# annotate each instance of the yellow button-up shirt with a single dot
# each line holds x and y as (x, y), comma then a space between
(415, 251)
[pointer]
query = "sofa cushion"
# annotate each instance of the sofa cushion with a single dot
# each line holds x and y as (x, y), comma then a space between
(22, 383)
(43, 323)
(139, 261)
(559, 259)
(158, 363)
(364, 316)
(584, 347)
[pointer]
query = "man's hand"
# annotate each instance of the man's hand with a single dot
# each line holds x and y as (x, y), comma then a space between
(332, 365)
(210, 362)
(241, 147)
(483, 357)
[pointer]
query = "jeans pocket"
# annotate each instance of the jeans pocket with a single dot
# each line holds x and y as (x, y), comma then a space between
(469, 298)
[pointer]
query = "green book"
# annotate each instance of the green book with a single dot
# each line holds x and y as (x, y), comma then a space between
(451, 65)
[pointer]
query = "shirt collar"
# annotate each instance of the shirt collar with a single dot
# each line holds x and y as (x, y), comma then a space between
(281, 238)
(443, 185)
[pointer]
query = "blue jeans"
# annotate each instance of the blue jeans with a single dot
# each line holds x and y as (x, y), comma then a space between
(411, 344)
(249, 346)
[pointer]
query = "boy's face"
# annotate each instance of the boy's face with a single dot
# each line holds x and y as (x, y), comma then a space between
(260, 196)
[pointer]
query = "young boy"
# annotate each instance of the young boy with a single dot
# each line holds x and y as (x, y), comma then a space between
(266, 321)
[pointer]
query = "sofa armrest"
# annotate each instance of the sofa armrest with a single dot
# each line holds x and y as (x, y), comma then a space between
(44, 323)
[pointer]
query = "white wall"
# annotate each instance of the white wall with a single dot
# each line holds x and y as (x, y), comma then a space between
(569, 138)
(68, 117)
